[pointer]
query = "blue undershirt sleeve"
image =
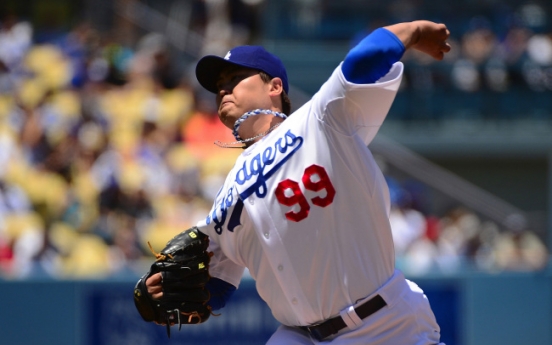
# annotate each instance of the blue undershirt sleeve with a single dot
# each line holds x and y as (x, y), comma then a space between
(220, 291)
(373, 57)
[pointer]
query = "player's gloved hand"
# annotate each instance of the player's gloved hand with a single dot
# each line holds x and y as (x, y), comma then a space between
(184, 268)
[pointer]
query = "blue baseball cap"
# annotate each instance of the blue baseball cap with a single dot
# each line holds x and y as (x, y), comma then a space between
(209, 67)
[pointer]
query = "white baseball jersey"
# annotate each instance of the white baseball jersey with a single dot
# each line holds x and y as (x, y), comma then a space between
(306, 208)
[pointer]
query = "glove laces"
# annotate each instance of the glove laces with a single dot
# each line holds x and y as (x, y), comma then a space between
(159, 256)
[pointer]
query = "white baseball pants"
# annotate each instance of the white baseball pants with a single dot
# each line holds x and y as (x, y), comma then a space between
(407, 319)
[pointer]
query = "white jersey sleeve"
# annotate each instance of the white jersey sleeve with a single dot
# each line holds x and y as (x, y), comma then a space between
(357, 108)
(222, 267)
(225, 263)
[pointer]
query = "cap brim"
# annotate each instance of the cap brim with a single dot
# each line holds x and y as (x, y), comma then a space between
(208, 70)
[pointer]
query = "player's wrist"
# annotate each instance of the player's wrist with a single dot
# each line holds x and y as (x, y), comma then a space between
(408, 32)
(416, 33)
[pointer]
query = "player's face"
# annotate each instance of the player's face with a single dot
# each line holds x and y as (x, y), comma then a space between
(240, 90)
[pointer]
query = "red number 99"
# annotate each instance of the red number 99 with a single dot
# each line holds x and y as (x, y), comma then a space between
(288, 192)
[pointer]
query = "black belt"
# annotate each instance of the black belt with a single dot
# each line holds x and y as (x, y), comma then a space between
(335, 324)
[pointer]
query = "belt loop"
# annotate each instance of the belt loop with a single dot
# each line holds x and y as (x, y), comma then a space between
(350, 317)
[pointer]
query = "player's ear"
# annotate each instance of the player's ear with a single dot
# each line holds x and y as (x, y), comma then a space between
(276, 87)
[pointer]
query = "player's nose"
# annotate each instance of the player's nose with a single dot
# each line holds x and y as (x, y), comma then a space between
(224, 90)
(220, 95)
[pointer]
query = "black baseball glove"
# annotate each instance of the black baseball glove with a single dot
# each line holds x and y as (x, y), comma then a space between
(184, 266)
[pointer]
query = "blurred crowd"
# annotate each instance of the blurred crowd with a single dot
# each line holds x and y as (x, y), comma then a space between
(460, 239)
(501, 57)
(102, 150)
(512, 52)
(105, 150)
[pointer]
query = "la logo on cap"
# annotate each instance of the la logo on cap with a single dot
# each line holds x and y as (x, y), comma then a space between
(227, 57)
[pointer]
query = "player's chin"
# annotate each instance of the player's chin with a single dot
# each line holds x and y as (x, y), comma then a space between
(225, 108)
(227, 120)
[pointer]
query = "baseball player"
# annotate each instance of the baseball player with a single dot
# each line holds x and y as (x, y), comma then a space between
(306, 208)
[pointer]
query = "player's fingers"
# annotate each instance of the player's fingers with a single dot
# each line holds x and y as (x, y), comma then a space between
(444, 47)
(154, 287)
(156, 292)
(154, 279)
(441, 35)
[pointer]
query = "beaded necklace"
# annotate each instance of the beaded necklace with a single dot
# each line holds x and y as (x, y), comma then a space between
(243, 141)
(245, 116)
(241, 120)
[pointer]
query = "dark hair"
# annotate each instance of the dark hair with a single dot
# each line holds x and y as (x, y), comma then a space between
(286, 102)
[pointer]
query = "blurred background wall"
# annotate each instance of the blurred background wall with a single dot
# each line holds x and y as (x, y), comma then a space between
(106, 142)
